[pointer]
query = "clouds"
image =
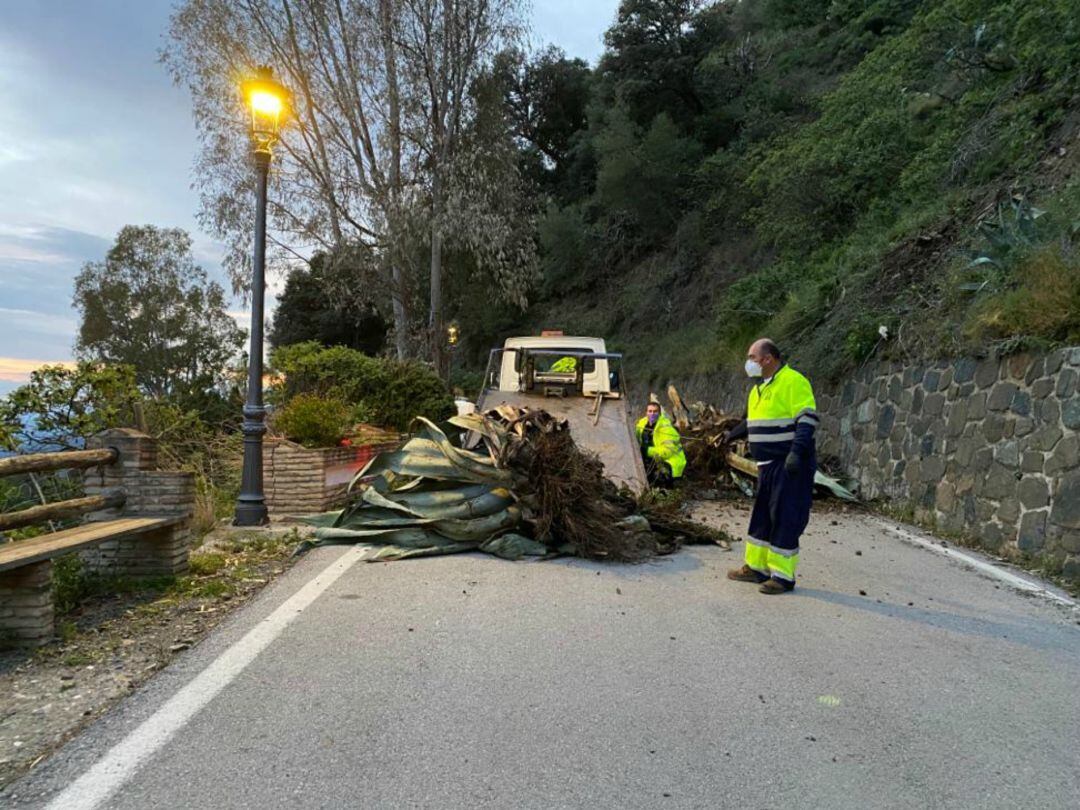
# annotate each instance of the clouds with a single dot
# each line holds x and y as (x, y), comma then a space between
(93, 136)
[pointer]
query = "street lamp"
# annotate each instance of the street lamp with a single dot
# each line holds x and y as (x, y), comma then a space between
(268, 102)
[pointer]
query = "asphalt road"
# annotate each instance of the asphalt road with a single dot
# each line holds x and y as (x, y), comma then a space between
(472, 682)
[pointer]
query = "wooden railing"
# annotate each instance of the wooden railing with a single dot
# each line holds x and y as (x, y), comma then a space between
(50, 462)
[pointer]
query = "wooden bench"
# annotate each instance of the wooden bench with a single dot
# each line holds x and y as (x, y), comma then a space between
(139, 524)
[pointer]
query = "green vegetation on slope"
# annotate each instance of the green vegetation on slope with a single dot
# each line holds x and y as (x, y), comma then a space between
(812, 170)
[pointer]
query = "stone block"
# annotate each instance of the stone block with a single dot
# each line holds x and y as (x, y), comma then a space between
(1021, 403)
(917, 397)
(993, 428)
(1031, 461)
(964, 369)
(1007, 454)
(976, 406)
(1035, 370)
(896, 389)
(999, 483)
(1023, 427)
(984, 457)
(946, 380)
(1066, 508)
(934, 404)
(1008, 511)
(1066, 456)
(1001, 396)
(958, 415)
(931, 381)
(987, 372)
(1053, 361)
(886, 420)
(1047, 411)
(1066, 383)
(1070, 413)
(1044, 439)
(1041, 389)
(965, 451)
(1033, 492)
(865, 411)
(1031, 535)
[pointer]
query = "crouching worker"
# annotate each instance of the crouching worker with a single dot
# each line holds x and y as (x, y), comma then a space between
(781, 420)
(661, 448)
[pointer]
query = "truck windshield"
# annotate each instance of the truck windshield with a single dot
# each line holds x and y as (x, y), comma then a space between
(562, 364)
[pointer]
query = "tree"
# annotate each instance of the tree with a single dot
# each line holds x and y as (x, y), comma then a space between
(382, 97)
(546, 95)
(149, 306)
(61, 406)
(307, 311)
(652, 51)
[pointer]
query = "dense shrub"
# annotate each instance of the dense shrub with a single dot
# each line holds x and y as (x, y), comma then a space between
(384, 392)
(412, 389)
(336, 372)
(313, 420)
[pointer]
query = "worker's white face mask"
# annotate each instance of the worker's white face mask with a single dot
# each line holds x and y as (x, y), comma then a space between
(753, 368)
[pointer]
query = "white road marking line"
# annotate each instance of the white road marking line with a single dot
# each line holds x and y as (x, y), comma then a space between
(1016, 581)
(106, 775)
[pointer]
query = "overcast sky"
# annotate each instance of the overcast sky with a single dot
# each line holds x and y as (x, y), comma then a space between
(93, 136)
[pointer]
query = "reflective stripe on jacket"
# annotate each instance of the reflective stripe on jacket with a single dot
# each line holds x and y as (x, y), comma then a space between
(781, 416)
(666, 444)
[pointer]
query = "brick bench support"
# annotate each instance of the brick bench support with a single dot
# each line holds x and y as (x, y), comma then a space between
(26, 605)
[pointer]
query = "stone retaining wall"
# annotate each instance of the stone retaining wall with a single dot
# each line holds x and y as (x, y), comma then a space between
(986, 448)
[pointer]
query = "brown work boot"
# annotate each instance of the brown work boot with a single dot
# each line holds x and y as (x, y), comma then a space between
(745, 574)
(774, 586)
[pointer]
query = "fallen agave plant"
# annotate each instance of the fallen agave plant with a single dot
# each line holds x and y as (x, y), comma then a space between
(526, 490)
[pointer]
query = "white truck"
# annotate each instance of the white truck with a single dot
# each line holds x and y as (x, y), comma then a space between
(576, 379)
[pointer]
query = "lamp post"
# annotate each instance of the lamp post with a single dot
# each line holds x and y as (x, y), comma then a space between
(267, 101)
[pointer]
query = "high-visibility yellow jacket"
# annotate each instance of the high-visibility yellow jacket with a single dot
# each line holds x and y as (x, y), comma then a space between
(781, 416)
(565, 365)
(666, 444)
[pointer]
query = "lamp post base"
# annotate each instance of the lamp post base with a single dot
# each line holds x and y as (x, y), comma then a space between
(251, 513)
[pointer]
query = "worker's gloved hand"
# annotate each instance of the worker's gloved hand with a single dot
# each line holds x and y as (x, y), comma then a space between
(792, 464)
(654, 452)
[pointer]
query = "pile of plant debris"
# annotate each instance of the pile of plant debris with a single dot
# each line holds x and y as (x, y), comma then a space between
(714, 462)
(525, 490)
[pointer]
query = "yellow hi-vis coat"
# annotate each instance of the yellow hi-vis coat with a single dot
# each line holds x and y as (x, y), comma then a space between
(774, 412)
(781, 419)
(666, 444)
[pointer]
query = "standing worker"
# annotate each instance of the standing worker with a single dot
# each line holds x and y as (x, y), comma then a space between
(781, 418)
(661, 448)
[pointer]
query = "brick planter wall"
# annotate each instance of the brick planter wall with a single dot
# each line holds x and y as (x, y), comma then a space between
(302, 480)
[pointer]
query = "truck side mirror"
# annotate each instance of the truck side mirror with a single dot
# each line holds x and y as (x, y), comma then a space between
(613, 380)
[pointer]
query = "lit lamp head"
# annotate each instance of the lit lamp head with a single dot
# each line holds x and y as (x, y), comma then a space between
(452, 334)
(268, 102)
